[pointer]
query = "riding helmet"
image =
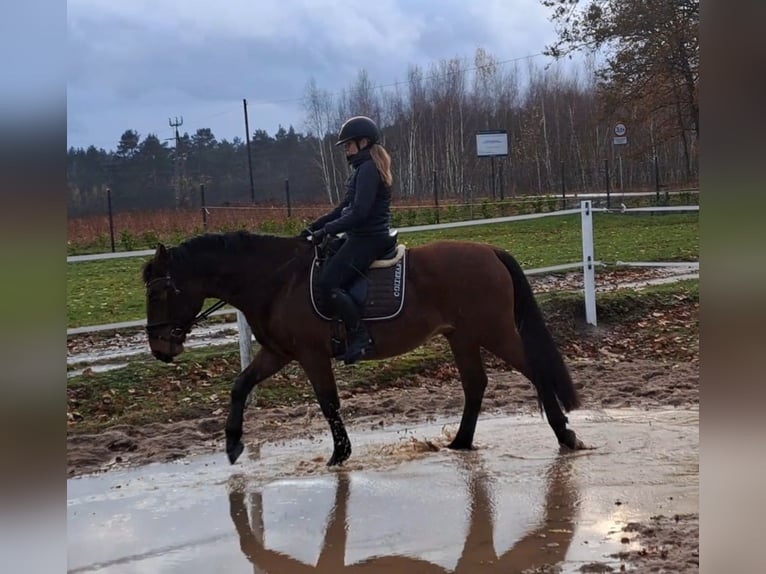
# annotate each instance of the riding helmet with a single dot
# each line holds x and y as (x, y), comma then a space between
(359, 127)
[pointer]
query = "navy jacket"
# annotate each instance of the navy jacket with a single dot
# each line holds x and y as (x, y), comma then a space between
(366, 208)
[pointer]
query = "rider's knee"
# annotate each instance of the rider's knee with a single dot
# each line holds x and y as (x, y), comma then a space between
(327, 285)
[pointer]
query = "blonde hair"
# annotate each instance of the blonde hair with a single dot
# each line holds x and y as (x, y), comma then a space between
(382, 162)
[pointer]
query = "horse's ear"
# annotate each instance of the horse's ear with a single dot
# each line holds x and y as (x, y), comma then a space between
(161, 255)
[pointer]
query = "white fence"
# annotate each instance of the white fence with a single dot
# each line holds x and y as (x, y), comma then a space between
(588, 263)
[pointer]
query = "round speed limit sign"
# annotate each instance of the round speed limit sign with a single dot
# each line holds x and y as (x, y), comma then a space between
(620, 130)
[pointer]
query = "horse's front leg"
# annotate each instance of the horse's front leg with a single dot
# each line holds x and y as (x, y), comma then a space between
(264, 364)
(319, 371)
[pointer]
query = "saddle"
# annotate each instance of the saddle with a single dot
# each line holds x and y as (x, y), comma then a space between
(379, 292)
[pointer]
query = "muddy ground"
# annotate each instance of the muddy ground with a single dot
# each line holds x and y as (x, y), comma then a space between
(605, 382)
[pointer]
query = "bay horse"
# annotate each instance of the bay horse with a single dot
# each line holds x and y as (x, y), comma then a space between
(475, 295)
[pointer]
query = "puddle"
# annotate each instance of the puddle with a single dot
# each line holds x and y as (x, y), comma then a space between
(512, 504)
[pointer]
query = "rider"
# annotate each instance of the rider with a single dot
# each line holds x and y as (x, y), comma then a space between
(364, 216)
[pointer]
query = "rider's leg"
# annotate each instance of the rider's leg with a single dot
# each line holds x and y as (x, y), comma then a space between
(350, 262)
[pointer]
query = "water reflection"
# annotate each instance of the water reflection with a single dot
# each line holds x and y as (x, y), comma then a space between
(545, 543)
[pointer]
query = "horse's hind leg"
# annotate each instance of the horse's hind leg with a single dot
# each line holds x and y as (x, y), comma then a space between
(509, 347)
(319, 371)
(474, 379)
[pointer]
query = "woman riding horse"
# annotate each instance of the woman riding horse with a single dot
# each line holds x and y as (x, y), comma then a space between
(364, 216)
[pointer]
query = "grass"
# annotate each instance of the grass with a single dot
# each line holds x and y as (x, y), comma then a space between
(110, 291)
(198, 383)
(556, 240)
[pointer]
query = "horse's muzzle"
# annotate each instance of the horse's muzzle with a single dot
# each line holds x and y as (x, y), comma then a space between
(165, 348)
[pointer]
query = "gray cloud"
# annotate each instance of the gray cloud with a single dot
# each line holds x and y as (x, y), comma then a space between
(131, 65)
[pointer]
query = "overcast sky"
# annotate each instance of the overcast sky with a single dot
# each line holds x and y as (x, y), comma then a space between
(135, 64)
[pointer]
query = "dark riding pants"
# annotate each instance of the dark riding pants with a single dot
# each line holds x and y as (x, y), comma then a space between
(352, 260)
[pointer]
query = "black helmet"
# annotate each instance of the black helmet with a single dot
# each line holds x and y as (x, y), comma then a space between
(359, 127)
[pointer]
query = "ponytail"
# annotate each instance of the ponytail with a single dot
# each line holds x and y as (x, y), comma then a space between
(382, 162)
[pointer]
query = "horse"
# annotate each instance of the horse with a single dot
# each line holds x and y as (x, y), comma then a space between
(473, 294)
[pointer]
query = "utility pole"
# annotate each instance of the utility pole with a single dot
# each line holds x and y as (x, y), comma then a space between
(249, 158)
(180, 162)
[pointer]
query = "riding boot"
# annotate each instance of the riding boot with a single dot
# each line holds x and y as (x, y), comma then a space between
(358, 340)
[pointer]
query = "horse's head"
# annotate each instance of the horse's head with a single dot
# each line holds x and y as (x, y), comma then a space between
(172, 304)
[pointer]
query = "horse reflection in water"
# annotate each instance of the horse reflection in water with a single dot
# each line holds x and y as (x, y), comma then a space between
(545, 546)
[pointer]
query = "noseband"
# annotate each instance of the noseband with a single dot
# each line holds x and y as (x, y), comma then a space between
(178, 330)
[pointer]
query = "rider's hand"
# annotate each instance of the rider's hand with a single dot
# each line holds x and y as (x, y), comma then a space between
(305, 234)
(318, 236)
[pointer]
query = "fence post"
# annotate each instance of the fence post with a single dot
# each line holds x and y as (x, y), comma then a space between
(608, 186)
(588, 262)
(492, 163)
(245, 345)
(287, 195)
(657, 177)
(502, 186)
(111, 219)
(245, 337)
(563, 188)
(204, 206)
(436, 197)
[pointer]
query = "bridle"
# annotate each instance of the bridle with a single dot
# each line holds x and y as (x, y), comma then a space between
(178, 330)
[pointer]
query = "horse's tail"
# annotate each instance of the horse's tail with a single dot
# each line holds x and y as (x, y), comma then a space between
(543, 358)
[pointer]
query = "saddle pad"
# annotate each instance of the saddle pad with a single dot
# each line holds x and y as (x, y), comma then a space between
(384, 287)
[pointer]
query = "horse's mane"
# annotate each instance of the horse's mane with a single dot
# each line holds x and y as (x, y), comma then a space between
(231, 243)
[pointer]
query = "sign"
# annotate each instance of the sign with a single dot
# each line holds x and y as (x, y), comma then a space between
(620, 134)
(492, 143)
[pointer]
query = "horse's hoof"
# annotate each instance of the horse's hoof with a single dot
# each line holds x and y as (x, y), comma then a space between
(338, 459)
(460, 445)
(569, 440)
(234, 452)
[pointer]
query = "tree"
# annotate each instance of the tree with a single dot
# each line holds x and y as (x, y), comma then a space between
(651, 46)
(319, 119)
(128, 145)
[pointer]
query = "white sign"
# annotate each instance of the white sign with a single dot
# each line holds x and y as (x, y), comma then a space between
(492, 143)
(620, 140)
(620, 130)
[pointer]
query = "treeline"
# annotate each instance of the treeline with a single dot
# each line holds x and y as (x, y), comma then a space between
(559, 125)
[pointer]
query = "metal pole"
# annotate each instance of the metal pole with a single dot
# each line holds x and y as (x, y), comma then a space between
(502, 186)
(563, 188)
(492, 163)
(622, 187)
(204, 206)
(608, 188)
(111, 219)
(657, 177)
(249, 158)
(287, 194)
(436, 196)
(588, 262)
